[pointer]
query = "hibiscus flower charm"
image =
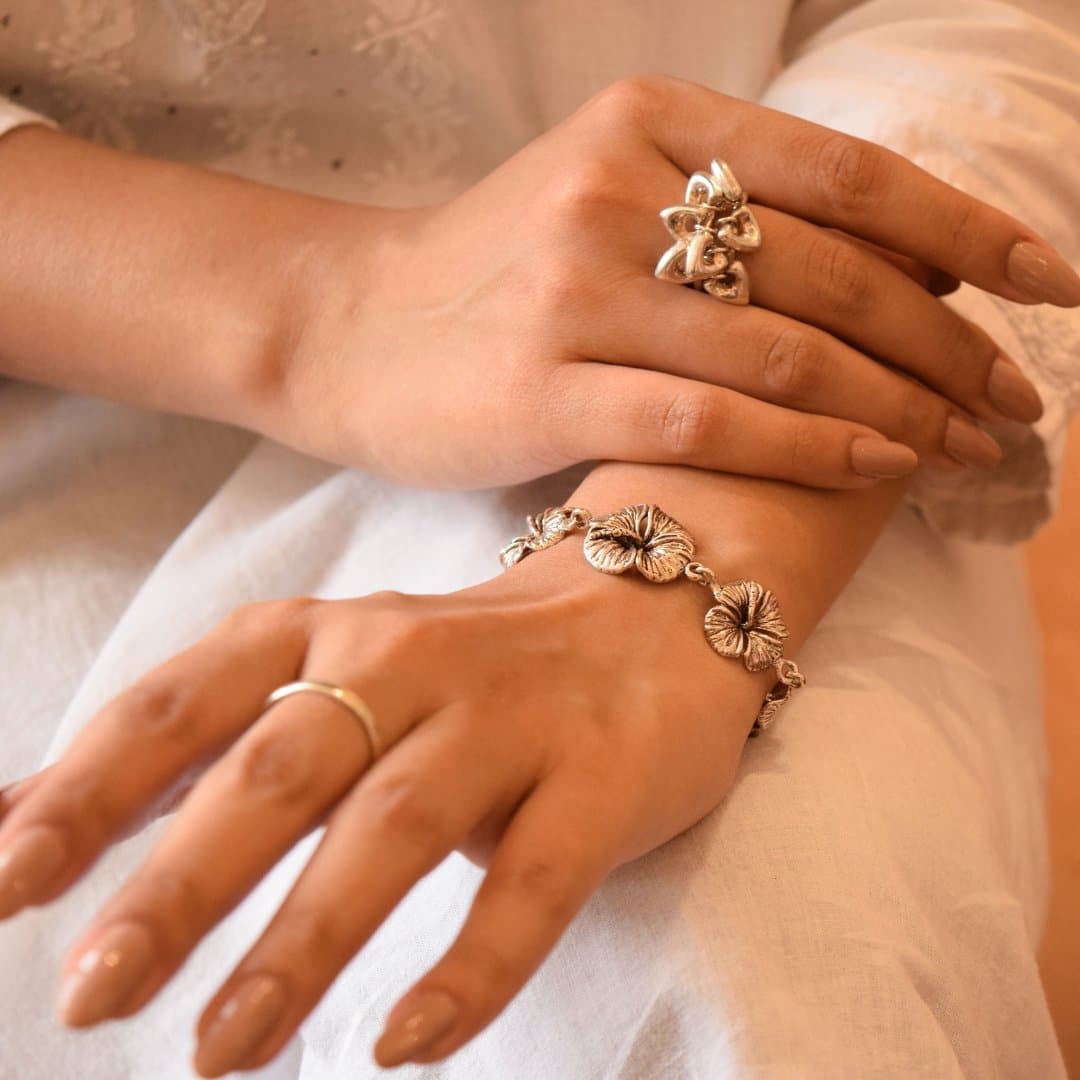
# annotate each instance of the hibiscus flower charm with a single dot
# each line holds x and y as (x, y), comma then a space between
(545, 530)
(641, 538)
(746, 622)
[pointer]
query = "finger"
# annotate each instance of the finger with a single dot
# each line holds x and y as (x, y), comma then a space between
(271, 787)
(771, 358)
(399, 822)
(933, 280)
(557, 850)
(12, 793)
(248, 810)
(608, 411)
(817, 277)
(833, 179)
(142, 742)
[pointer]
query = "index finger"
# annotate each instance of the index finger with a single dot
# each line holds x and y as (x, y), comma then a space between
(837, 180)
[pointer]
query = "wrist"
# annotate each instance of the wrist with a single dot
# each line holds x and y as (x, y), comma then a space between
(314, 292)
(568, 586)
(802, 543)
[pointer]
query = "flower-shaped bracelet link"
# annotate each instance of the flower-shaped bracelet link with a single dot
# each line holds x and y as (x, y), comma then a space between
(745, 621)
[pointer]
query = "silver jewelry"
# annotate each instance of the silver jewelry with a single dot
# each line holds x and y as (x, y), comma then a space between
(352, 701)
(710, 232)
(745, 621)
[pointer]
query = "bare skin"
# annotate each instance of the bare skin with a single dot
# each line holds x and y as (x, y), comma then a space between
(520, 323)
(536, 736)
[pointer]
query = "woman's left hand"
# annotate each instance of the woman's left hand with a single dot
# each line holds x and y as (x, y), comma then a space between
(527, 722)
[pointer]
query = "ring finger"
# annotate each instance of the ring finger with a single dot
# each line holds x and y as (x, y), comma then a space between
(265, 793)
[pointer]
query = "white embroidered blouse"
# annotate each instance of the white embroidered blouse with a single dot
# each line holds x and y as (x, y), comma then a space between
(408, 101)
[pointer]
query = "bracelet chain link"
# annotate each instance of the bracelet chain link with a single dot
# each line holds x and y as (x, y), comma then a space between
(744, 623)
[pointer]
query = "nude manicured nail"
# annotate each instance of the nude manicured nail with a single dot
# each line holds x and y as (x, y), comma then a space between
(1043, 274)
(971, 445)
(1009, 391)
(29, 863)
(107, 975)
(430, 1017)
(881, 458)
(242, 1023)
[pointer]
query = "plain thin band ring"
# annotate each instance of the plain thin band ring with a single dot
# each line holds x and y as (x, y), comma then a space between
(352, 701)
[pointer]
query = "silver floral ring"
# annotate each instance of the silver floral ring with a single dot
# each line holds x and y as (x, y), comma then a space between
(711, 231)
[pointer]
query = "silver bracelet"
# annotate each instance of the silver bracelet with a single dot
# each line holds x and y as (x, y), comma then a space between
(746, 619)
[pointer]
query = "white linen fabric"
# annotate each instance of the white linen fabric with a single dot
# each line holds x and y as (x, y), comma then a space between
(868, 900)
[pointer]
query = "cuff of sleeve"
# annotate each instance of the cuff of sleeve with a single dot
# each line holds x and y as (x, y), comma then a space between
(1008, 504)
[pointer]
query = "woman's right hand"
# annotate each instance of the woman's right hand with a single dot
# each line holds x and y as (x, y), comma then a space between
(519, 329)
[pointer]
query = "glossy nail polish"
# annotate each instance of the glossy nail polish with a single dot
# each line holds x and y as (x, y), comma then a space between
(430, 1016)
(881, 458)
(1010, 392)
(1043, 274)
(29, 863)
(108, 975)
(242, 1023)
(971, 445)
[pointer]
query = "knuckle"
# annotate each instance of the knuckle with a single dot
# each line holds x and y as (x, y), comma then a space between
(491, 972)
(804, 448)
(545, 885)
(83, 808)
(841, 276)
(633, 98)
(388, 605)
(963, 224)
(793, 366)
(172, 898)
(401, 808)
(688, 423)
(278, 766)
(163, 707)
(586, 192)
(266, 616)
(313, 933)
(922, 417)
(408, 634)
(850, 173)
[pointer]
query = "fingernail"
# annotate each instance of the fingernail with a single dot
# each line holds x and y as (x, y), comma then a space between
(1043, 274)
(881, 458)
(971, 445)
(429, 1017)
(107, 975)
(28, 864)
(1009, 391)
(241, 1025)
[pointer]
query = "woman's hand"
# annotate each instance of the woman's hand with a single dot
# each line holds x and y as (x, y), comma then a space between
(527, 722)
(519, 328)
